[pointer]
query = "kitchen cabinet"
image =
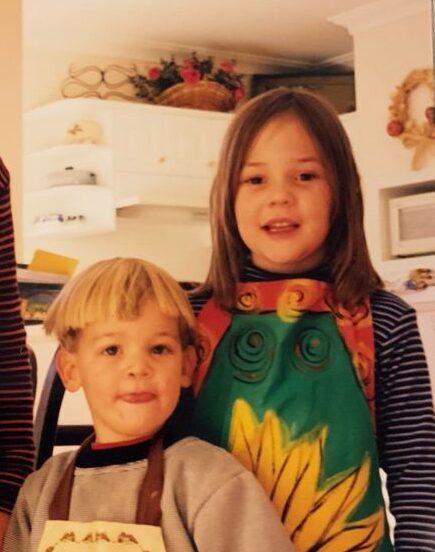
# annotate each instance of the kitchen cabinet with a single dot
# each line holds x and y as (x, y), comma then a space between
(145, 154)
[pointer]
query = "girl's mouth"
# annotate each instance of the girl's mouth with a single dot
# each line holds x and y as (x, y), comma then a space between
(280, 226)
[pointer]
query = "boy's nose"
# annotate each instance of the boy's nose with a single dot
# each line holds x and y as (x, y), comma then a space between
(139, 366)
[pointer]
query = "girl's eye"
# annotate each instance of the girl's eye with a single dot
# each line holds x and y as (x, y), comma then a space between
(306, 176)
(255, 179)
(111, 350)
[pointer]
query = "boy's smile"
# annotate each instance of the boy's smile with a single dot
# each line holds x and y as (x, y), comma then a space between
(283, 202)
(131, 372)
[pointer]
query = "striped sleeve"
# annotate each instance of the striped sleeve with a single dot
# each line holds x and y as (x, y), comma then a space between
(405, 422)
(16, 405)
(197, 302)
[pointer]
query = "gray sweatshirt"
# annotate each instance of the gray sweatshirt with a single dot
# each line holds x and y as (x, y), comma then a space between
(210, 502)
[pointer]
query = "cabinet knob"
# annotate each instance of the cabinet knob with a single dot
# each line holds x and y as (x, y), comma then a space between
(211, 163)
(162, 159)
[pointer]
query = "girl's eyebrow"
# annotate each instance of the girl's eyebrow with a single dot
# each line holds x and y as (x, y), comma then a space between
(310, 159)
(254, 163)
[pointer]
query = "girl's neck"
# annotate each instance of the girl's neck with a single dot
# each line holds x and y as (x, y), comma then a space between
(251, 272)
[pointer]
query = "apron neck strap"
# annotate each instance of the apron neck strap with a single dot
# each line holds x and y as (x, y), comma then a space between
(150, 492)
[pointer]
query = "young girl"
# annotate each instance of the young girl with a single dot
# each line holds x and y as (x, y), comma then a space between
(311, 373)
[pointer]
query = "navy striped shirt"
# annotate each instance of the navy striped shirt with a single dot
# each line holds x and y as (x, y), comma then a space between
(16, 403)
(404, 413)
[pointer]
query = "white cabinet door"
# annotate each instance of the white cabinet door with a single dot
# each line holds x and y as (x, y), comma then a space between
(141, 141)
(156, 141)
(165, 155)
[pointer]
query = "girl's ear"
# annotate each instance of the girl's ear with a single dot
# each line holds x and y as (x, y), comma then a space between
(190, 359)
(66, 366)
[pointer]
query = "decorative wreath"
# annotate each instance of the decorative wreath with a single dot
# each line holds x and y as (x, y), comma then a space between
(414, 134)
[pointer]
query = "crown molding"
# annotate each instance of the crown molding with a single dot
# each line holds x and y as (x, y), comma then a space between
(343, 60)
(379, 13)
(246, 62)
(150, 52)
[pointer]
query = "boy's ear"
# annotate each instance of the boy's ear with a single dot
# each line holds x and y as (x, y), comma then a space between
(190, 359)
(66, 366)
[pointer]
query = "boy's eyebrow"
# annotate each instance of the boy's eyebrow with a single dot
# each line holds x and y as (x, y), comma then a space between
(107, 335)
(162, 333)
(167, 333)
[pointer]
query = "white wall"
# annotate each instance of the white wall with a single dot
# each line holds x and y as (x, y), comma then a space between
(165, 236)
(46, 70)
(391, 39)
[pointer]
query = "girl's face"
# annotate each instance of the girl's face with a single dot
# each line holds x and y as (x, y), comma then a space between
(283, 202)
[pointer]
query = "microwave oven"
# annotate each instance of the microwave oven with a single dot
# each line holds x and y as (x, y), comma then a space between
(412, 224)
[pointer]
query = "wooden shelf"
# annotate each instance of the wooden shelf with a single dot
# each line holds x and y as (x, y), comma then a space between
(148, 201)
(68, 230)
(62, 150)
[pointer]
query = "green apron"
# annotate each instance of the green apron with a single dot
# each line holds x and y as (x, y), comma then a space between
(286, 383)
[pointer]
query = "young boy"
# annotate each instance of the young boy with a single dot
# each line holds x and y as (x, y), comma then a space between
(127, 337)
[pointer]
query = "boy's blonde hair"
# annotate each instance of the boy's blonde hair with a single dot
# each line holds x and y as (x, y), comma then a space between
(117, 289)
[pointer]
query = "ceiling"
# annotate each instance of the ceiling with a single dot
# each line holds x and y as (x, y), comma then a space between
(276, 32)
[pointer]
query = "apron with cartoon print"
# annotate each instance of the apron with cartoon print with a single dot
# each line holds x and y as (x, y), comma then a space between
(62, 535)
(286, 383)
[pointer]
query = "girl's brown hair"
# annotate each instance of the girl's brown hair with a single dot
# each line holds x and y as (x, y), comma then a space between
(346, 255)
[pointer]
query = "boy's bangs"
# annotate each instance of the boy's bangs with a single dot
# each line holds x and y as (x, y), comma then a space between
(116, 289)
(122, 296)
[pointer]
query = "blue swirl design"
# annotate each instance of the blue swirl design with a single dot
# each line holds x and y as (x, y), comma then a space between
(251, 353)
(311, 349)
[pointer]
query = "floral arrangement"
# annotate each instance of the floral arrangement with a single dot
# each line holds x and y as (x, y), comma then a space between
(413, 134)
(192, 70)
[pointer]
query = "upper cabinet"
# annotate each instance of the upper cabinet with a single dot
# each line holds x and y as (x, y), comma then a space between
(139, 154)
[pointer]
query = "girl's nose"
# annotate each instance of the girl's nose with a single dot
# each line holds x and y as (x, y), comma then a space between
(281, 193)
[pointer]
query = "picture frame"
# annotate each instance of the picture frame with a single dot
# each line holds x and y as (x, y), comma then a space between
(338, 89)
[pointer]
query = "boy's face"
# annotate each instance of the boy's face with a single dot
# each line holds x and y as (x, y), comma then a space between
(131, 372)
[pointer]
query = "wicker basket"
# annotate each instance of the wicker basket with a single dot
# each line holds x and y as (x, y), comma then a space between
(204, 94)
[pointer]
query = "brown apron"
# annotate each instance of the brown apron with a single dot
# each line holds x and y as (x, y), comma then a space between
(62, 535)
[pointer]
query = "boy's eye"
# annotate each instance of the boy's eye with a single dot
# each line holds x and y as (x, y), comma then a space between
(111, 350)
(161, 349)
